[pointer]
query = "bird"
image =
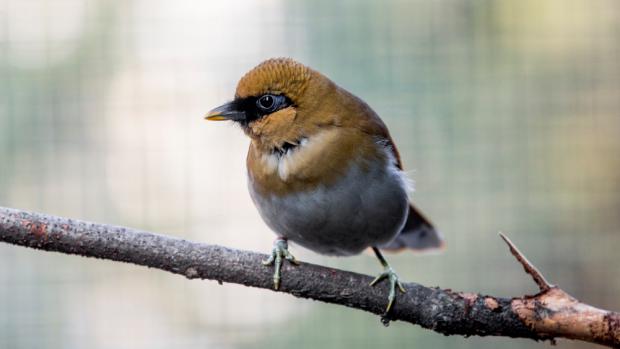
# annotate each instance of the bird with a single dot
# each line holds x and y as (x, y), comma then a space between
(323, 170)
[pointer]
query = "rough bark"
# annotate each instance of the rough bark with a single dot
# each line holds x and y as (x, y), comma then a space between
(550, 314)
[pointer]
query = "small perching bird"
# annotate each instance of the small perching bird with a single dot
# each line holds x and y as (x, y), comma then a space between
(323, 169)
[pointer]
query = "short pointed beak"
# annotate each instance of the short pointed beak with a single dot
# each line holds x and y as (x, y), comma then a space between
(227, 111)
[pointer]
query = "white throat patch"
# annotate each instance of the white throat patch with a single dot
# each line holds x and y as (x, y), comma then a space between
(298, 157)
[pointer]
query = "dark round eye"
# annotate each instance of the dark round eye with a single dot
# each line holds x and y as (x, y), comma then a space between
(268, 103)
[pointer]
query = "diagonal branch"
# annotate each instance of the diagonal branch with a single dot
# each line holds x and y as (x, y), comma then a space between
(550, 314)
(540, 280)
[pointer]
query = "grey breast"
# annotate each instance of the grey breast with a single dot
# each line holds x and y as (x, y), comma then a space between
(367, 207)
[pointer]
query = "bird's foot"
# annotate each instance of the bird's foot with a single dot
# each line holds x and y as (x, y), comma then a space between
(278, 254)
(392, 278)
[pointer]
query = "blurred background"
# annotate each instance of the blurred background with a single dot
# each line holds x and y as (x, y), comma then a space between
(506, 114)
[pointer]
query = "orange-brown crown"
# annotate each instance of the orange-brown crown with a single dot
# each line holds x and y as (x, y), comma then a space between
(276, 75)
(330, 126)
(304, 87)
(317, 104)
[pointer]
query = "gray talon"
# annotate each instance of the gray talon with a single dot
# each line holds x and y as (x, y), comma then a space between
(392, 277)
(279, 252)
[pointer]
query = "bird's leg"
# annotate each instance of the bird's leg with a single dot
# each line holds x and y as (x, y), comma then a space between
(279, 252)
(390, 274)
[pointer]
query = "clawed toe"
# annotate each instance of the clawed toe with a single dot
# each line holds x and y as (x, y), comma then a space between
(392, 278)
(279, 252)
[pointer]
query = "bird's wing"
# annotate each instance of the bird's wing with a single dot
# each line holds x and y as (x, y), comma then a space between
(418, 233)
(371, 124)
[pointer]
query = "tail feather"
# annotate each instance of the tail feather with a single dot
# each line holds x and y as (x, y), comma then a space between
(418, 233)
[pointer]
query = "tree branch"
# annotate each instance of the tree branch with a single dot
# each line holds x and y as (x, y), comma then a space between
(552, 313)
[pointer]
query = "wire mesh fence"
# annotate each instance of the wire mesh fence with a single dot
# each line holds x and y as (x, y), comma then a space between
(506, 115)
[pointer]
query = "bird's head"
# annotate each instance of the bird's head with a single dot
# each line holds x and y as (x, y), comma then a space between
(279, 103)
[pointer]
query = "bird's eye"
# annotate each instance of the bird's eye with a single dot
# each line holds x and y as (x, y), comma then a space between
(268, 103)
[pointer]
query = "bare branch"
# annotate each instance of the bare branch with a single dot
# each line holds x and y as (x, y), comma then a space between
(540, 280)
(550, 314)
